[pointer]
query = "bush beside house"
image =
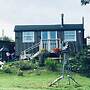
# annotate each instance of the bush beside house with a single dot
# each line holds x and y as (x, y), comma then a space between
(81, 62)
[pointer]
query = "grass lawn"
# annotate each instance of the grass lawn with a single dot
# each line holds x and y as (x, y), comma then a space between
(31, 81)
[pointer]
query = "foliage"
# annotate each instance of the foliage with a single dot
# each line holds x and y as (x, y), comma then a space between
(5, 38)
(43, 55)
(18, 66)
(43, 50)
(7, 68)
(51, 64)
(20, 73)
(84, 2)
(81, 62)
(23, 65)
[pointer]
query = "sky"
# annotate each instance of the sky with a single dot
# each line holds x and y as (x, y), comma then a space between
(32, 12)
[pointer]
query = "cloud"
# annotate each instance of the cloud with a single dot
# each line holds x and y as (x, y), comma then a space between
(14, 12)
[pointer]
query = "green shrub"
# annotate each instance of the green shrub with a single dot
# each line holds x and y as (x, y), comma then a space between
(51, 64)
(20, 73)
(7, 69)
(43, 55)
(14, 67)
(43, 50)
(24, 65)
(81, 62)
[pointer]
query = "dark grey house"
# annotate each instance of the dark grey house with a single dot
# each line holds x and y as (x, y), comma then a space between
(36, 37)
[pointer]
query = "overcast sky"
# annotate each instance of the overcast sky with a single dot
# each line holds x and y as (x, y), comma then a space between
(14, 12)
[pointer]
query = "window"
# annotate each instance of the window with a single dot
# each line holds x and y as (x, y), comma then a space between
(28, 37)
(69, 36)
(49, 39)
(44, 38)
(52, 44)
(53, 35)
(44, 35)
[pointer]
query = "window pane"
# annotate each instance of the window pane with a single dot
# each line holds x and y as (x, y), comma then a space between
(69, 35)
(28, 36)
(53, 35)
(52, 44)
(44, 35)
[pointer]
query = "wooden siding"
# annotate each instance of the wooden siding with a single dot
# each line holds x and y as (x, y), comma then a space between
(20, 46)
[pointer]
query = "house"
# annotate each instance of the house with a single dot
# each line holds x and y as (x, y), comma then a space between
(88, 40)
(32, 38)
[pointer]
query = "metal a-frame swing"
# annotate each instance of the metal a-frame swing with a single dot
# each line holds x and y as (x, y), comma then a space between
(65, 62)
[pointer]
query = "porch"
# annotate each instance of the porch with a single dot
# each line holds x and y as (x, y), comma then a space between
(35, 50)
(50, 44)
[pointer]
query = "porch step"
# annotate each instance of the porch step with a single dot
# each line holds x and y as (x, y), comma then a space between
(29, 56)
(24, 54)
(22, 57)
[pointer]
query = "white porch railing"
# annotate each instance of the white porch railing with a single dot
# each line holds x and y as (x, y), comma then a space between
(50, 44)
(46, 44)
(27, 53)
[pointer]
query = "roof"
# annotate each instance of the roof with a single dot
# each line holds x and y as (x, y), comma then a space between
(48, 27)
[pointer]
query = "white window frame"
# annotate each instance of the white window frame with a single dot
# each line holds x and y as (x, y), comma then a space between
(27, 35)
(48, 34)
(68, 34)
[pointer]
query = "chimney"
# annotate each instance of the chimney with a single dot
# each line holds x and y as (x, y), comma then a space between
(83, 21)
(62, 19)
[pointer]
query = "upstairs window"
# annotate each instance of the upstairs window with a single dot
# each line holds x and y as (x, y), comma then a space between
(69, 36)
(28, 37)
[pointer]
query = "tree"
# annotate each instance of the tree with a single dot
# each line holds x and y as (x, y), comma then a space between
(81, 62)
(84, 2)
(5, 38)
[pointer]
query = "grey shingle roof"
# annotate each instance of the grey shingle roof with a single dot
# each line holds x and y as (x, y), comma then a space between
(48, 27)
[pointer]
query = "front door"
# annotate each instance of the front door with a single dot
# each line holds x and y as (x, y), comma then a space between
(49, 39)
